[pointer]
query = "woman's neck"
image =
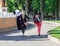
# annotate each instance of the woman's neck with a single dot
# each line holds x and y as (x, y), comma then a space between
(23, 16)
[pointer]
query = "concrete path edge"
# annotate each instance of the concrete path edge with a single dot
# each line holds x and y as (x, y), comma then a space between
(54, 39)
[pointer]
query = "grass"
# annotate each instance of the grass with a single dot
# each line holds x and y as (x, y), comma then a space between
(58, 21)
(55, 32)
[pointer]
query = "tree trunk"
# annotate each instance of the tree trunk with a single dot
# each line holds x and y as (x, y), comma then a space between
(27, 7)
(41, 9)
(30, 8)
(56, 13)
(56, 10)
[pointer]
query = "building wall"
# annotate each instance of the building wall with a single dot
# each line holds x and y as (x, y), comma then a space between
(7, 22)
(0, 3)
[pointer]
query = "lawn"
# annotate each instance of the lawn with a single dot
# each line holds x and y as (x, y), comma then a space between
(55, 32)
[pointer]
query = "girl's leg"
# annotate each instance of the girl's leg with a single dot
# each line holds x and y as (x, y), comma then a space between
(39, 29)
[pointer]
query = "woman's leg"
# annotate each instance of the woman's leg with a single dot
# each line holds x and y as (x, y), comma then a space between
(23, 31)
(18, 23)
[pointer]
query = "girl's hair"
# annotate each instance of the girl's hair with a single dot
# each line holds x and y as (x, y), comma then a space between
(39, 13)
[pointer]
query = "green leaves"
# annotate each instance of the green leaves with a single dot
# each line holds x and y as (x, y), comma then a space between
(14, 4)
(10, 5)
(36, 4)
(50, 5)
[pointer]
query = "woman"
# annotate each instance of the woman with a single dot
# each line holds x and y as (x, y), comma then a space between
(17, 13)
(38, 22)
(23, 22)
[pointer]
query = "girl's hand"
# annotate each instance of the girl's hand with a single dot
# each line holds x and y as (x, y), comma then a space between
(25, 23)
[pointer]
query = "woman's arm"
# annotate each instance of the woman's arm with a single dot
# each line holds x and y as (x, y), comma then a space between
(27, 17)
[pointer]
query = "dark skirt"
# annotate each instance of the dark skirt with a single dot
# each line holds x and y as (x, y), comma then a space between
(20, 26)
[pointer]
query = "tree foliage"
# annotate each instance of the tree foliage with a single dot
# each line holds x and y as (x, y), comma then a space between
(49, 6)
(10, 5)
(35, 4)
(15, 4)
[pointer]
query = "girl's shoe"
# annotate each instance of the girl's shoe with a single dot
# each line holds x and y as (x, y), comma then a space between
(38, 34)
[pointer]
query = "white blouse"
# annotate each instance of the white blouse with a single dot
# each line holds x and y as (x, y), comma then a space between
(18, 12)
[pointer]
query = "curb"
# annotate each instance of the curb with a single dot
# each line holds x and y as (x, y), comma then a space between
(56, 23)
(54, 39)
(53, 22)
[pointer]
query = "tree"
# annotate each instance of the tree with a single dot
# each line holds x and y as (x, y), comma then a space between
(41, 8)
(56, 9)
(10, 5)
(27, 7)
(35, 5)
(51, 8)
(44, 6)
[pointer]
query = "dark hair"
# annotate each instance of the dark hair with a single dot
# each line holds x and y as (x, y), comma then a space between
(20, 10)
(39, 13)
(14, 12)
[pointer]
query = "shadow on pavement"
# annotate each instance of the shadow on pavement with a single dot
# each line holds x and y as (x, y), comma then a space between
(15, 30)
(25, 38)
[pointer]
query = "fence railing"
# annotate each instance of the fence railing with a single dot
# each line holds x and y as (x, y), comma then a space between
(7, 19)
(5, 14)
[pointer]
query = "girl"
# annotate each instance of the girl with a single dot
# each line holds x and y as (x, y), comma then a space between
(38, 22)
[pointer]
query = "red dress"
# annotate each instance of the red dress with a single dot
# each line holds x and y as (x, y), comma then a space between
(38, 24)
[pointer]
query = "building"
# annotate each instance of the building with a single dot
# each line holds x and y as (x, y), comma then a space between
(6, 22)
(0, 3)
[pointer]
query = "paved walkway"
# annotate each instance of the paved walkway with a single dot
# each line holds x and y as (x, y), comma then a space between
(15, 38)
